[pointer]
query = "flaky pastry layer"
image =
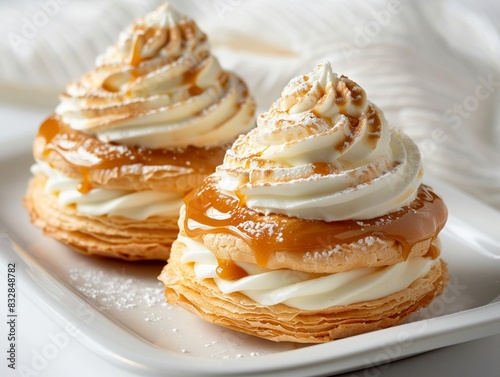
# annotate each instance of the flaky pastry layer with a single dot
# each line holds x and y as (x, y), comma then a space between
(108, 236)
(283, 323)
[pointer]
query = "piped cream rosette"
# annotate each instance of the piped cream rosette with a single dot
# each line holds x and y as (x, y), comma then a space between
(133, 136)
(315, 227)
(159, 87)
(323, 152)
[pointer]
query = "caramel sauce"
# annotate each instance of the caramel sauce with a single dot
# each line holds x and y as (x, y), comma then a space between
(189, 78)
(433, 252)
(135, 50)
(194, 90)
(85, 152)
(241, 197)
(85, 185)
(322, 168)
(229, 270)
(266, 235)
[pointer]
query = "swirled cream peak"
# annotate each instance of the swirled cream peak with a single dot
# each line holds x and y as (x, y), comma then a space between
(323, 151)
(159, 87)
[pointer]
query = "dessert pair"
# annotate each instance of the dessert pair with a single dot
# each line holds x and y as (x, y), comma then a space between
(314, 226)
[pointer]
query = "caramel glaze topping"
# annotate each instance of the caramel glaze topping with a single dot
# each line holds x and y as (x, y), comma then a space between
(85, 153)
(222, 213)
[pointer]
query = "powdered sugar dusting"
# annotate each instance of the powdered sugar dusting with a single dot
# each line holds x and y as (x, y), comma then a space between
(260, 229)
(321, 255)
(361, 245)
(113, 289)
(132, 297)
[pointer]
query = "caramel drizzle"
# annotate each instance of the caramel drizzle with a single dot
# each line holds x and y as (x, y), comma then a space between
(229, 270)
(85, 185)
(266, 235)
(86, 153)
(322, 168)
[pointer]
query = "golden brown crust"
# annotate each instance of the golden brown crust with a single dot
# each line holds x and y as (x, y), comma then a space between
(283, 323)
(365, 253)
(378, 252)
(109, 236)
(164, 178)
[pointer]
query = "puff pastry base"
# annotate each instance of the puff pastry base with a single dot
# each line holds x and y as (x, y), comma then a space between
(283, 323)
(109, 236)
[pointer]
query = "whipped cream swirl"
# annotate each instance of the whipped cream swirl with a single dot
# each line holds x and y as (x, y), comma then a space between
(304, 290)
(159, 87)
(323, 152)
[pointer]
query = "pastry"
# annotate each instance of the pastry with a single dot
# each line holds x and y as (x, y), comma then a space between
(317, 225)
(132, 137)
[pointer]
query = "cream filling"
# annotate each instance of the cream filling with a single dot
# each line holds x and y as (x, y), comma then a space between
(308, 291)
(136, 205)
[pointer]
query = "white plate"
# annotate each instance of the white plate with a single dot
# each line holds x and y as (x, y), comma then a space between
(118, 308)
